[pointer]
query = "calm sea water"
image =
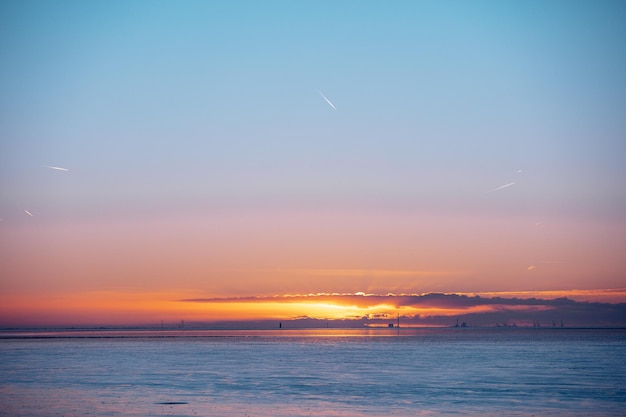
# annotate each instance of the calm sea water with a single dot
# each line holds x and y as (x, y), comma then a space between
(442, 372)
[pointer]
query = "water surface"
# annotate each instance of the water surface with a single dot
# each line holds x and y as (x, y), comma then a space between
(379, 372)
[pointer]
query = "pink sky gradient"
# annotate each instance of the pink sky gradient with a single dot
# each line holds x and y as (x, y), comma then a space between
(136, 271)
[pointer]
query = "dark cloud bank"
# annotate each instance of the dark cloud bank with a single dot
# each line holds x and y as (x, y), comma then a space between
(443, 310)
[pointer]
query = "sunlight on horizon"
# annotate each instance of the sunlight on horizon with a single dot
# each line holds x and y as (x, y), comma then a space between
(110, 307)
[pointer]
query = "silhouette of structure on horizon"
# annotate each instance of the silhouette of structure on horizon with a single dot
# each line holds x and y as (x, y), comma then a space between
(457, 324)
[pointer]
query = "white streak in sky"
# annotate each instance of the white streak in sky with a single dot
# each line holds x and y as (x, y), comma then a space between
(328, 101)
(28, 212)
(57, 168)
(501, 187)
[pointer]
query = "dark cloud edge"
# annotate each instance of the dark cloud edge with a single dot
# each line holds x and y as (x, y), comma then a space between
(558, 312)
(400, 300)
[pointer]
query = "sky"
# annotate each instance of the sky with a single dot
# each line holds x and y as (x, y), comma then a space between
(157, 152)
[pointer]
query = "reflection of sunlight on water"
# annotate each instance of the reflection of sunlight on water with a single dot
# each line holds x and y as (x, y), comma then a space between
(137, 334)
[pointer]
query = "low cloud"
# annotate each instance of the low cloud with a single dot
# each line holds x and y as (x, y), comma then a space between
(444, 309)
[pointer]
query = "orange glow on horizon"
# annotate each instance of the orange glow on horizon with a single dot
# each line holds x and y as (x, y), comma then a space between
(129, 308)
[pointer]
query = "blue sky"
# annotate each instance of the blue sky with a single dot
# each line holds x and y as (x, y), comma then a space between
(435, 98)
(191, 110)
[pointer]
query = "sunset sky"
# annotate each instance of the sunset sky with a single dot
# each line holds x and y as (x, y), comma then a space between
(223, 160)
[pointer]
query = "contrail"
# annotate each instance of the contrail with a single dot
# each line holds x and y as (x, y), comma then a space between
(501, 187)
(328, 101)
(57, 168)
(28, 212)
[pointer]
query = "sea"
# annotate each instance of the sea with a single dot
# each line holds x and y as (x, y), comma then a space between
(325, 372)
